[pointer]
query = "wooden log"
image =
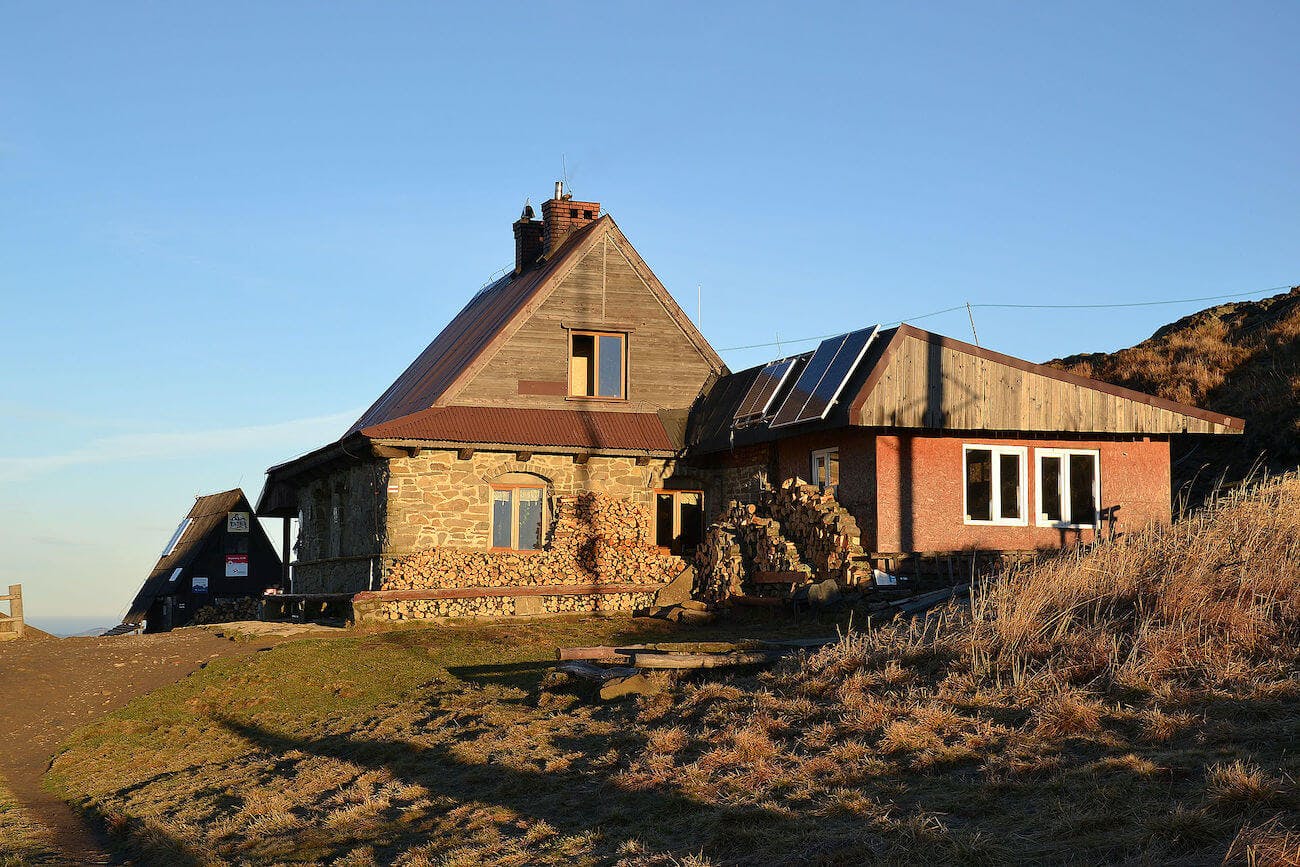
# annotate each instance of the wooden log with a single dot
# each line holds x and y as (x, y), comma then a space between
(681, 661)
(600, 653)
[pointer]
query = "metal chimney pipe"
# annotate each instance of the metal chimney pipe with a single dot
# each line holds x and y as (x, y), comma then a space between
(559, 189)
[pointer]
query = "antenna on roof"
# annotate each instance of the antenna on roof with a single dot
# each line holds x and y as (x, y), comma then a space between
(564, 173)
(972, 324)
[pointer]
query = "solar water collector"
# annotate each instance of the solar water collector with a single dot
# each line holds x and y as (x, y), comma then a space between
(762, 391)
(825, 376)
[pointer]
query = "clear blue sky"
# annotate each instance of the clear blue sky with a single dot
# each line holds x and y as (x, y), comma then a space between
(224, 228)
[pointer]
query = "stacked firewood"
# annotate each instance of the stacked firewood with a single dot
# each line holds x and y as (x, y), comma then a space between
(498, 606)
(826, 535)
(594, 539)
(719, 565)
(229, 609)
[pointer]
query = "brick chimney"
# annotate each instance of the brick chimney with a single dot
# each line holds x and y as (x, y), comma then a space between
(563, 215)
(528, 240)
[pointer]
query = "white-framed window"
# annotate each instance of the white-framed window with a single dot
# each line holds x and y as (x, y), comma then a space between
(826, 469)
(176, 537)
(1068, 482)
(518, 516)
(995, 488)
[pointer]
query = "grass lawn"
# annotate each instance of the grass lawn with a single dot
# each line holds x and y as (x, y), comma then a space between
(22, 841)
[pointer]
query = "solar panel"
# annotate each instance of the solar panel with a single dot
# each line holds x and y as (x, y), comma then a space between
(821, 382)
(762, 391)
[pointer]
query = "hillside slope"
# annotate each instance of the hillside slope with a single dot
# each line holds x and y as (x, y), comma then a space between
(1137, 702)
(1242, 359)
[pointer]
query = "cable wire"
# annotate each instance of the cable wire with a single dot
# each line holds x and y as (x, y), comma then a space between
(992, 305)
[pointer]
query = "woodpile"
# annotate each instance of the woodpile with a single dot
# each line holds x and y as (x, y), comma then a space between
(825, 534)
(229, 609)
(741, 545)
(504, 606)
(594, 539)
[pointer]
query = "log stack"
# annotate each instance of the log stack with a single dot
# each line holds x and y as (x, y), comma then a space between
(594, 539)
(826, 535)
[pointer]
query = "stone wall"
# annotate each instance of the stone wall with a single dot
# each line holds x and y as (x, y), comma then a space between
(594, 539)
(437, 500)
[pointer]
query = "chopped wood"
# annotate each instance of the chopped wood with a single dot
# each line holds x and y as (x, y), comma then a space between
(926, 601)
(784, 577)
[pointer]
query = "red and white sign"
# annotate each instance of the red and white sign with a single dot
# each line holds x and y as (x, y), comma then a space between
(236, 565)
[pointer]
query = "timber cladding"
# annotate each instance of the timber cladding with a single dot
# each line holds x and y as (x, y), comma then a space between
(603, 291)
(927, 381)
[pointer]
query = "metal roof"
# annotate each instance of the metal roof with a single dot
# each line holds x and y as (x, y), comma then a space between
(628, 431)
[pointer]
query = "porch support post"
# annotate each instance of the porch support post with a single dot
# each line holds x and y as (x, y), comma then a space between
(285, 576)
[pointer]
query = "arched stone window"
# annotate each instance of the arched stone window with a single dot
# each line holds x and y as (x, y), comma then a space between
(518, 511)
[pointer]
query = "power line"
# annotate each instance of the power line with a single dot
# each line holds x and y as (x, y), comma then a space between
(991, 305)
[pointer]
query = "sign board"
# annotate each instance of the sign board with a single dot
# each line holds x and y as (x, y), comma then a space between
(198, 584)
(237, 522)
(236, 565)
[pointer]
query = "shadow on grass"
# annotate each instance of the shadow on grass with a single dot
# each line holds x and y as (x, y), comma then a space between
(521, 675)
(575, 801)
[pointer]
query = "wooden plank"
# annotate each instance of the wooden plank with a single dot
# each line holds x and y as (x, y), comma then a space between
(604, 654)
(670, 661)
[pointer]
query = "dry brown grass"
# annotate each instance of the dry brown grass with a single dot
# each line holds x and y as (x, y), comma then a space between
(1138, 702)
(23, 842)
(1242, 359)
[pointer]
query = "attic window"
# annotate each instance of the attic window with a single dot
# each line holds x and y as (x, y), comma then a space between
(176, 537)
(176, 573)
(597, 365)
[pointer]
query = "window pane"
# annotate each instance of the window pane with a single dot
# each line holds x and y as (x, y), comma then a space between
(1083, 477)
(691, 508)
(501, 519)
(833, 468)
(1009, 485)
(530, 518)
(979, 484)
(582, 366)
(611, 367)
(1049, 495)
(664, 520)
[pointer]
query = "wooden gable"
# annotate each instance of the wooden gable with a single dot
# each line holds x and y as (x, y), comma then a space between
(607, 288)
(924, 380)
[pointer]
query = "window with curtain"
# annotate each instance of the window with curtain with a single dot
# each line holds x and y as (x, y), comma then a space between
(518, 516)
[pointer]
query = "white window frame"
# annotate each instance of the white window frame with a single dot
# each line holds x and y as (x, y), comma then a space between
(812, 467)
(995, 494)
(1064, 454)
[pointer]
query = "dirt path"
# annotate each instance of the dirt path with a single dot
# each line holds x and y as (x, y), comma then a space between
(51, 686)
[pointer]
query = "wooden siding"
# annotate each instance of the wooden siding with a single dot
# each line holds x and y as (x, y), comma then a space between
(603, 291)
(926, 384)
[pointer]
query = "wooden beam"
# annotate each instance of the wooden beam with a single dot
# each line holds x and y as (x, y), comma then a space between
(523, 457)
(414, 451)
(387, 451)
(643, 461)
(531, 590)
(464, 454)
(284, 553)
(581, 458)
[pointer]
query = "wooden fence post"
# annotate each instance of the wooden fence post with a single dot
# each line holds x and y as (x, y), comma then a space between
(16, 607)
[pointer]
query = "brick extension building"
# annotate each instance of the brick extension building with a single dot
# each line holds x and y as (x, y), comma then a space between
(562, 443)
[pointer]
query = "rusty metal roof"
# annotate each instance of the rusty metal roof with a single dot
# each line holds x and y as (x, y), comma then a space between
(563, 428)
(467, 336)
